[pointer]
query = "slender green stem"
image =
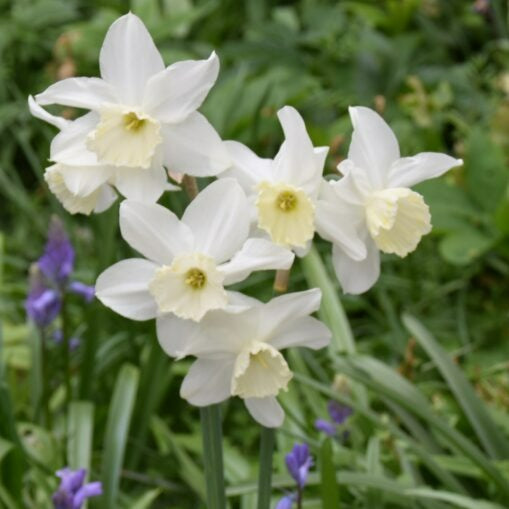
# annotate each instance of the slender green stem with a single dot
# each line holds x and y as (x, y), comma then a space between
(331, 310)
(211, 426)
(46, 390)
(66, 342)
(265, 471)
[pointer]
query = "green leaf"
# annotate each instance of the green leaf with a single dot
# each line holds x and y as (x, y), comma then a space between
(145, 501)
(490, 436)
(80, 432)
(117, 427)
(453, 498)
(464, 246)
(328, 483)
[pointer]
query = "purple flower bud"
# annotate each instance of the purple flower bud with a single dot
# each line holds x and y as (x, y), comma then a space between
(326, 427)
(285, 503)
(42, 304)
(57, 261)
(72, 493)
(58, 337)
(83, 290)
(298, 462)
(338, 413)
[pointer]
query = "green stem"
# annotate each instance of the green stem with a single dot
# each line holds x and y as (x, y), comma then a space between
(265, 471)
(67, 351)
(211, 426)
(331, 309)
(46, 390)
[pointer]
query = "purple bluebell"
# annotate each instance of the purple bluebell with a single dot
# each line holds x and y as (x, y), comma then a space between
(42, 304)
(298, 462)
(338, 413)
(326, 427)
(58, 337)
(72, 493)
(57, 261)
(83, 290)
(286, 502)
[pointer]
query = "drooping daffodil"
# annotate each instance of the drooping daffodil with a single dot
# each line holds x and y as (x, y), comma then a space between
(238, 354)
(374, 195)
(189, 261)
(143, 115)
(283, 191)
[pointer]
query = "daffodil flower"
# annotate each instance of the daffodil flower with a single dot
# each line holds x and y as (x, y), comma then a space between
(374, 197)
(188, 262)
(238, 354)
(283, 191)
(142, 114)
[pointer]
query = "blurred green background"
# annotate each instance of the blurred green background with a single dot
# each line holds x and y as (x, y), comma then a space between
(438, 71)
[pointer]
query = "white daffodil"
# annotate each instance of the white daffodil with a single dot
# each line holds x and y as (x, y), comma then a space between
(143, 114)
(238, 354)
(189, 261)
(374, 196)
(283, 191)
(82, 184)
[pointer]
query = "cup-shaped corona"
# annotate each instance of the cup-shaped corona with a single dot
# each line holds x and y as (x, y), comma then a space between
(286, 213)
(189, 287)
(397, 219)
(125, 137)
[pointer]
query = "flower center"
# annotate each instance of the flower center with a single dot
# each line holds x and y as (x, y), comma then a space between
(286, 201)
(189, 287)
(132, 122)
(125, 137)
(196, 278)
(397, 219)
(286, 213)
(259, 371)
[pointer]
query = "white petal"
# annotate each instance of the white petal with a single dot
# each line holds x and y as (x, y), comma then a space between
(207, 382)
(374, 146)
(39, 112)
(286, 308)
(247, 167)
(172, 94)
(296, 161)
(83, 180)
(357, 276)
(68, 146)
(219, 219)
(123, 287)
(129, 58)
(339, 221)
(256, 254)
(106, 198)
(154, 231)
(408, 171)
(194, 147)
(305, 331)
(266, 411)
(88, 93)
(177, 336)
(320, 156)
(143, 185)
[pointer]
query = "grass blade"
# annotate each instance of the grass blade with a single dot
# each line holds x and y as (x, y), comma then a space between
(80, 433)
(329, 485)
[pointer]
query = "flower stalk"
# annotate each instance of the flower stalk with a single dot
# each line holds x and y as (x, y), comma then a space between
(267, 438)
(211, 426)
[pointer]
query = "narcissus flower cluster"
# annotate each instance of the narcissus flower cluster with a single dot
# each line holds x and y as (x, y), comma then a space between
(142, 125)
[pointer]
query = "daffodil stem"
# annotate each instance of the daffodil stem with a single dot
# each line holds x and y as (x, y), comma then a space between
(331, 309)
(267, 437)
(211, 426)
(45, 396)
(66, 344)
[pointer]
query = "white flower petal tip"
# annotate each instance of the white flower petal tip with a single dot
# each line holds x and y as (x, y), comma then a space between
(397, 219)
(39, 112)
(286, 213)
(189, 287)
(260, 371)
(125, 137)
(266, 411)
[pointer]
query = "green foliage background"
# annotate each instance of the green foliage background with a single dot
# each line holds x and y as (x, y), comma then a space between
(430, 427)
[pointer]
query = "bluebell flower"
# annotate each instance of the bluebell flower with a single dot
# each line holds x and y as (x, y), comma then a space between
(326, 427)
(338, 413)
(286, 502)
(298, 462)
(72, 493)
(83, 290)
(42, 304)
